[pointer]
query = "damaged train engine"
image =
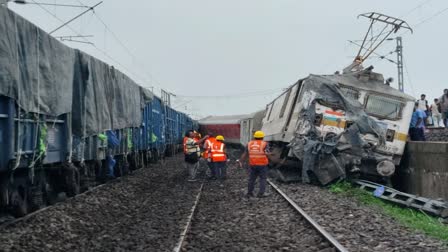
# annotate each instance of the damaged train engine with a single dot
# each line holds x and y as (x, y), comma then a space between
(329, 127)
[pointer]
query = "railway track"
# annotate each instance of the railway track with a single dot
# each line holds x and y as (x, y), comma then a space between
(184, 233)
(310, 220)
(176, 215)
(222, 219)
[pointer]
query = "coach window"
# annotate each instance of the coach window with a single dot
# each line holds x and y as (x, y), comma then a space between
(285, 103)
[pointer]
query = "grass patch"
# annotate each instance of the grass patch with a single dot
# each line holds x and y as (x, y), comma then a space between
(408, 217)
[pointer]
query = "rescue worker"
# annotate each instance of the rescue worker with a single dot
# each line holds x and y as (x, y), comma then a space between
(192, 154)
(185, 142)
(207, 145)
(197, 135)
(258, 163)
(218, 157)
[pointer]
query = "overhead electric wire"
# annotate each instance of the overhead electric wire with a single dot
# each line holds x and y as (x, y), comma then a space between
(123, 45)
(415, 8)
(431, 17)
(238, 95)
(408, 76)
(427, 19)
(76, 17)
(88, 41)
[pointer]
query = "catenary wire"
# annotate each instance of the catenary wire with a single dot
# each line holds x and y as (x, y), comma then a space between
(123, 45)
(96, 47)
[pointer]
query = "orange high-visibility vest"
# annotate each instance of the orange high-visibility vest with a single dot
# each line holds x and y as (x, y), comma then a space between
(217, 152)
(257, 154)
(185, 145)
(208, 144)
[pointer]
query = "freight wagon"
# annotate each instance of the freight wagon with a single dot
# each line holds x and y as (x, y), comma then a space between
(69, 121)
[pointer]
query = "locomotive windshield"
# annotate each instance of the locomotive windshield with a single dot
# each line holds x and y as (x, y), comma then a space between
(350, 92)
(383, 107)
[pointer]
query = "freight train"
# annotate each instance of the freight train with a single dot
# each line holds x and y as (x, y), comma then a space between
(69, 121)
(329, 127)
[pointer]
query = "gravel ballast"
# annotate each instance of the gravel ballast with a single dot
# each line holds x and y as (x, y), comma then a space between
(148, 210)
(358, 227)
(145, 211)
(227, 221)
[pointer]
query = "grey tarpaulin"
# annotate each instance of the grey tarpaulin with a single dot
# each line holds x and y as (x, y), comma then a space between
(35, 69)
(45, 76)
(106, 98)
(317, 151)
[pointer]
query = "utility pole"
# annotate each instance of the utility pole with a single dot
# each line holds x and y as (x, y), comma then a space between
(399, 51)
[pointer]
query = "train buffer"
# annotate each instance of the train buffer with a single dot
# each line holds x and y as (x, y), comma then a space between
(433, 207)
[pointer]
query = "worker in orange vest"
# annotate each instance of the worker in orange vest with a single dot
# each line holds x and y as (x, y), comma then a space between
(207, 146)
(218, 157)
(258, 162)
(185, 144)
(197, 137)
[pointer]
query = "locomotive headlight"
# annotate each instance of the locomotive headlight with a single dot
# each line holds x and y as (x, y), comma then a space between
(385, 168)
(390, 135)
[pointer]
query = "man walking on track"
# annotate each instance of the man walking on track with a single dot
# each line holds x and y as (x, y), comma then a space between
(258, 162)
(192, 154)
(218, 157)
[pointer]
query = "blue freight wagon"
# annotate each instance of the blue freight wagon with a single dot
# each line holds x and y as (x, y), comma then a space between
(69, 121)
(156, 128)
(29, 142)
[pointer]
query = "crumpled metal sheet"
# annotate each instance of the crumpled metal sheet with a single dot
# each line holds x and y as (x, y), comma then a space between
(318, 151)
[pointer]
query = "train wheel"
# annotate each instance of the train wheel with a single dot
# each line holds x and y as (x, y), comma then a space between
(51, 194)
(155, 156)
(119, 167)
(148, 158)
(37, 196)
(19, 201)
(72, 180)
(132, 160)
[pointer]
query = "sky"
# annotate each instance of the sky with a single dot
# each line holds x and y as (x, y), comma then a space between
(235, 56)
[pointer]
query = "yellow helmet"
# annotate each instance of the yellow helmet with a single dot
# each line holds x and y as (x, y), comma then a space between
(258, 134)
(219, 138)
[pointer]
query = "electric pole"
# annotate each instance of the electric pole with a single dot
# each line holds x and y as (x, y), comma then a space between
(400, 63)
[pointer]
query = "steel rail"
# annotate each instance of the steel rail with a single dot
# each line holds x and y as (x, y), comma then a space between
(184, 233)
(313, 223)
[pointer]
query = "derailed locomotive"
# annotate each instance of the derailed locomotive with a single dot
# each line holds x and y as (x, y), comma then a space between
(330, 127)
(68, 120)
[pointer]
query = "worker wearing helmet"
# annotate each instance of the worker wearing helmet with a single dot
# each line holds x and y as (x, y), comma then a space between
(258, 163)
(206, 155)
(218, 157)
(192, 154)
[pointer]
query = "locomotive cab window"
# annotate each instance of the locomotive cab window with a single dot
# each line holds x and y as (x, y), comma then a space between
(350, 92)
(383, 107)
(285, 103)
(270, 111)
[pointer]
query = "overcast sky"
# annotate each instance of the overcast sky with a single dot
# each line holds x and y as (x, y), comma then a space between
(235, 56)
